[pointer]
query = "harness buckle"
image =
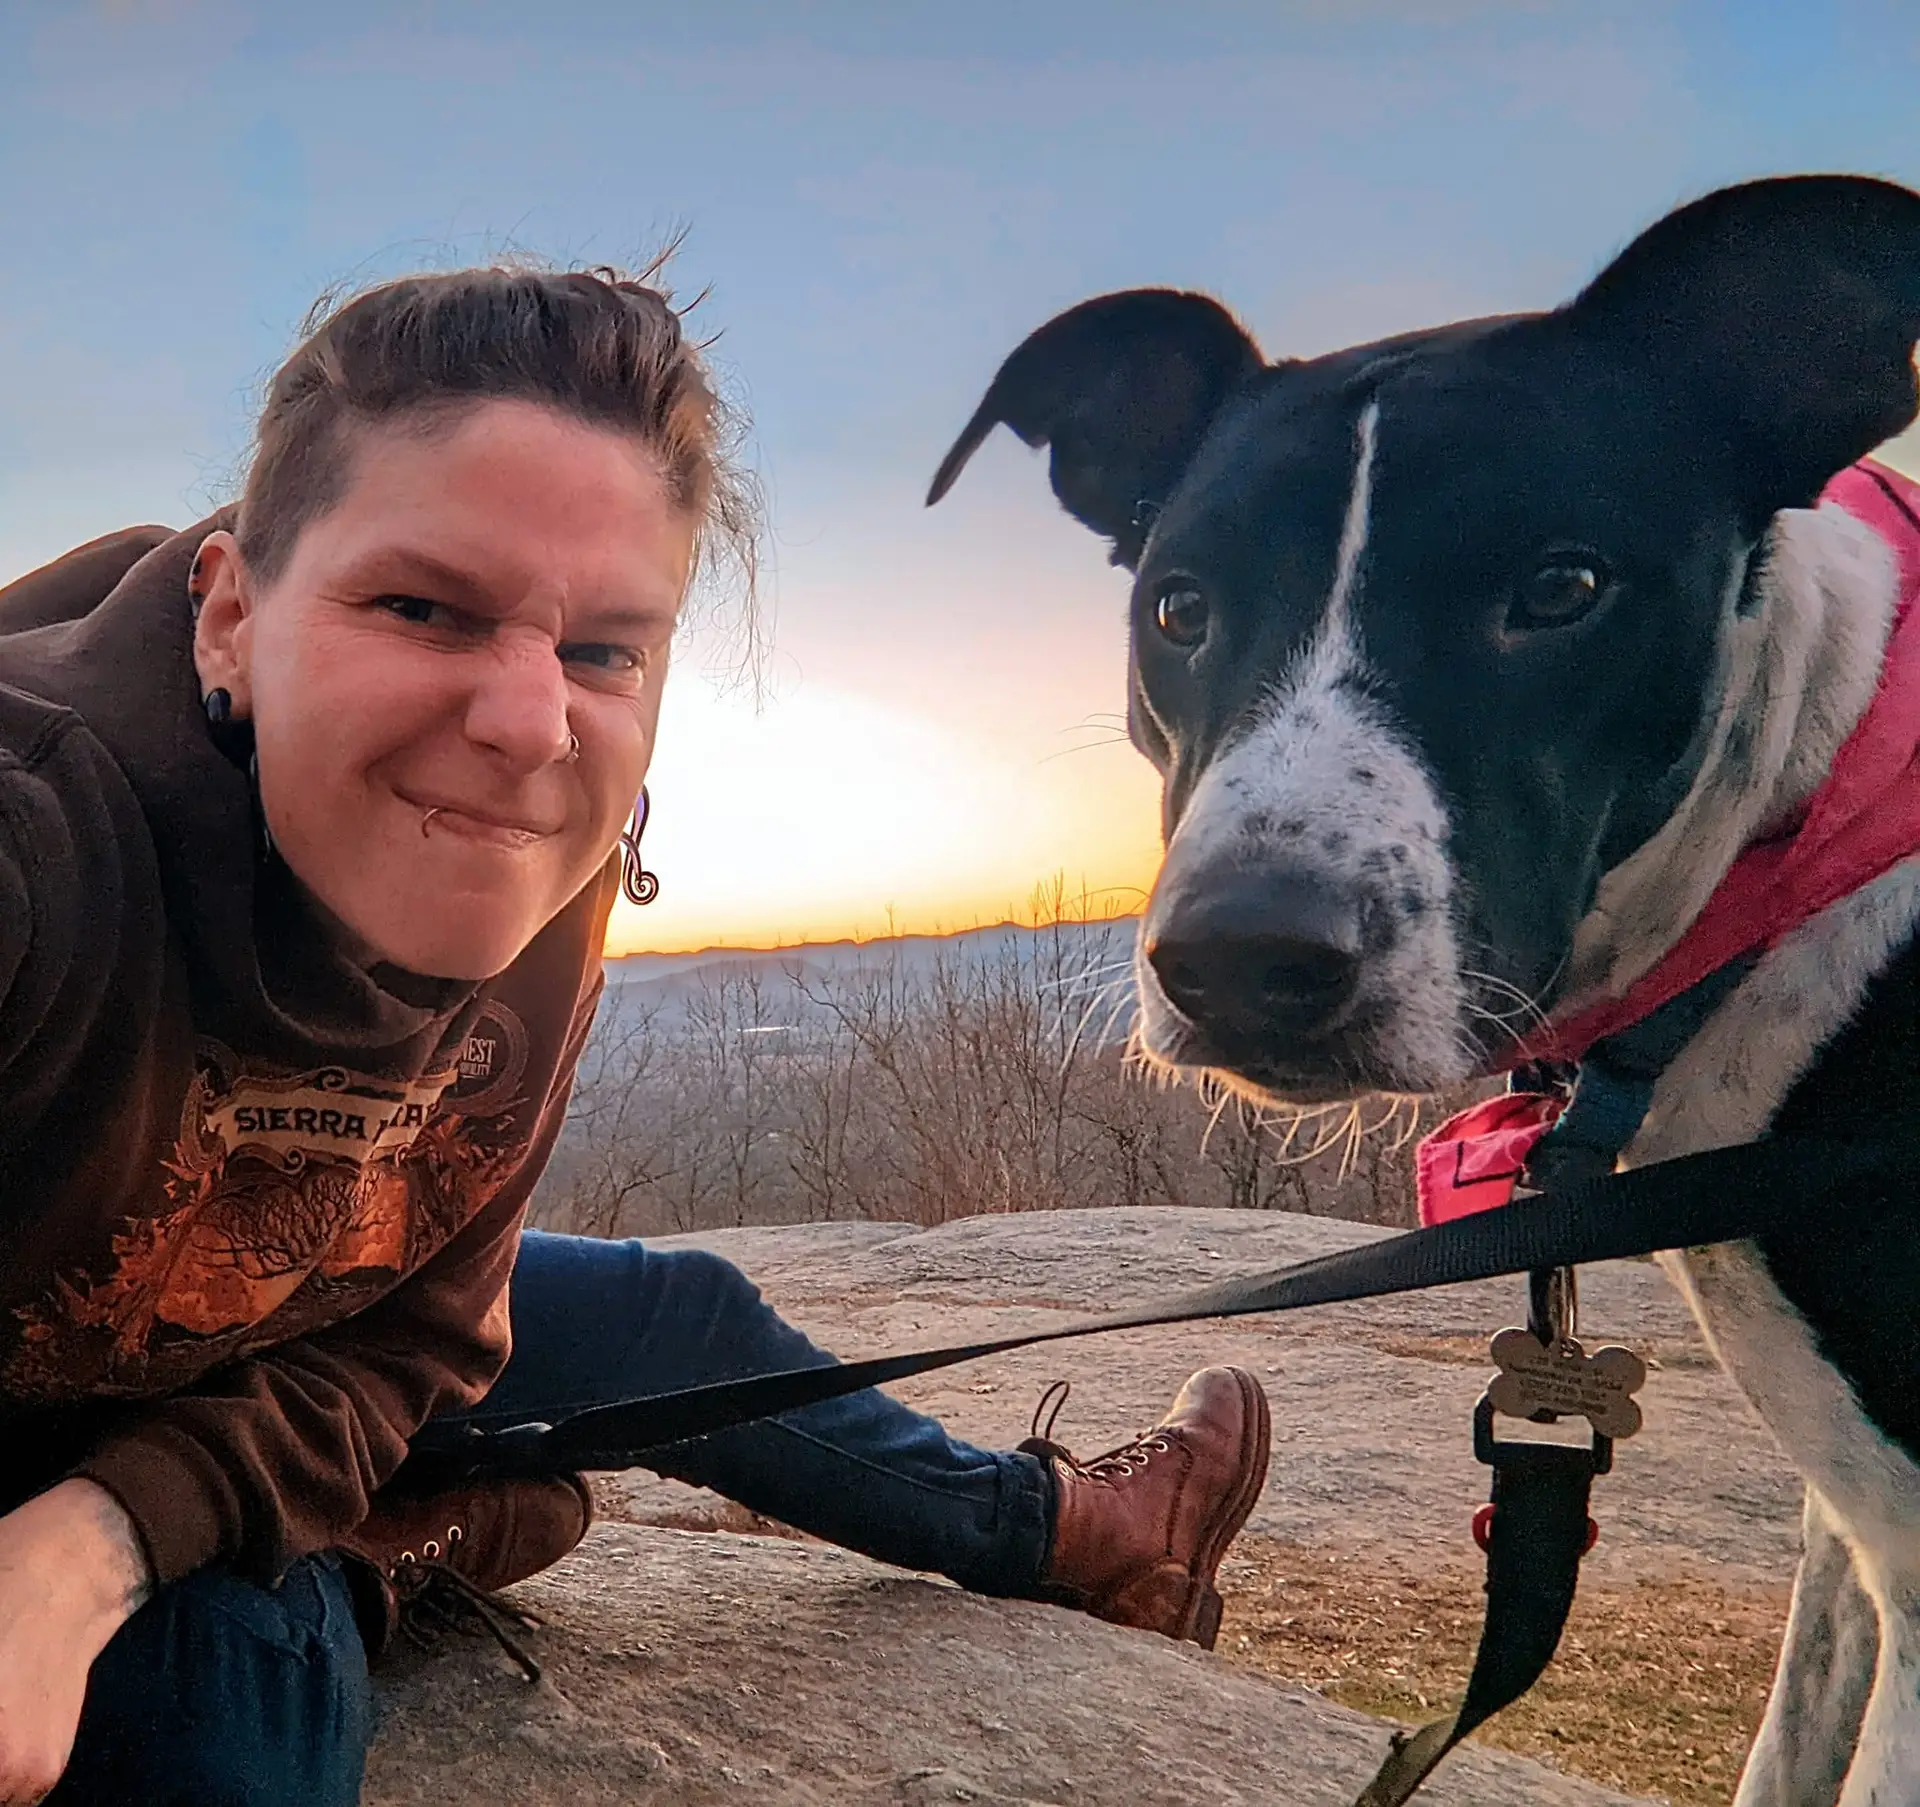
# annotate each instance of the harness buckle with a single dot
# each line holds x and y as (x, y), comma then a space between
(1595, 1457)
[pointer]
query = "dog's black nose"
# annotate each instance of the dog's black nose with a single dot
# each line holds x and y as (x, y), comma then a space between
(1252, 957)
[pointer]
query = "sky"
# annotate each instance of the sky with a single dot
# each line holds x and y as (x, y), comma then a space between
(878, 202)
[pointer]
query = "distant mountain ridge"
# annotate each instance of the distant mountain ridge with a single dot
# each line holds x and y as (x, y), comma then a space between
(818, 956)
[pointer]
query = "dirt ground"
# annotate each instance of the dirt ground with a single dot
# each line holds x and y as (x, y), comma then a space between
(1657, 1688)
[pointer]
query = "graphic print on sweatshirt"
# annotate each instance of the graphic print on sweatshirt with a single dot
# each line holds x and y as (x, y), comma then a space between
(288, 1201)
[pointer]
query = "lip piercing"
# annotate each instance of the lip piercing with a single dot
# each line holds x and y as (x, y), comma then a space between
(573, 748)
(428, 817)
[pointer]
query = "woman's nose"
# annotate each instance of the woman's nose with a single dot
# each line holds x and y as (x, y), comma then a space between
(519, 705)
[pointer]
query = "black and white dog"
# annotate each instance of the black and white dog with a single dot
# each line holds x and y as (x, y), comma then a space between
(1471, 660)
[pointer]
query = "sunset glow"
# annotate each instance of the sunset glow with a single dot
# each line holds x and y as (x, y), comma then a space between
(827, 814)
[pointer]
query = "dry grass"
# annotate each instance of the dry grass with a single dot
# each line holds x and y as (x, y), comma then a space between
(1657, 1688)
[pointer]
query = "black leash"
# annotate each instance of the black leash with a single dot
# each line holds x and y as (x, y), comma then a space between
(1537, 1532)
(1537, 1528)
(1723, 1195)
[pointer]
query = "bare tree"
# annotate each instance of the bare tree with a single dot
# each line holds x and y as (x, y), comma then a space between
(619, 1151)
(823, 1098)
(924, 1082)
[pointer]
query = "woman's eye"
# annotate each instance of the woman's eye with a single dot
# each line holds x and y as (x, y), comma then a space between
(1559, 592)
(1181, 613)
(617, 661)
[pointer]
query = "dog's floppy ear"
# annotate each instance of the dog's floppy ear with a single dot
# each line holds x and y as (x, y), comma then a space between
(1121, 388)
(1787, 310)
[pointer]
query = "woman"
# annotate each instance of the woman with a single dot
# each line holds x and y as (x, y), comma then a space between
(310, 823)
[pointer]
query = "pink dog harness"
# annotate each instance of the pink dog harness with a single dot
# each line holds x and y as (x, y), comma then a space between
(1864, 820)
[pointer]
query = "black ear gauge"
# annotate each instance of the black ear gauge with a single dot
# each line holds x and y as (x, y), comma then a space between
(231, 734)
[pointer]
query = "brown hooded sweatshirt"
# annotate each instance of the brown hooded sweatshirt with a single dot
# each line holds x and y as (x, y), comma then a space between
(258, 1204)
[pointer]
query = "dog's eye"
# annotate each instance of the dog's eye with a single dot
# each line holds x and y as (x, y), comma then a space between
(1559, 591)
(1180, 612)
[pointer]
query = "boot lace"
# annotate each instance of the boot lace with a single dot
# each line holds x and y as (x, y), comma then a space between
(1129, 1458)
(436, 1599)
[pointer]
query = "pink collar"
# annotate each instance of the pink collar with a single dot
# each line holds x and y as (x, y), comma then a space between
(1864, 820)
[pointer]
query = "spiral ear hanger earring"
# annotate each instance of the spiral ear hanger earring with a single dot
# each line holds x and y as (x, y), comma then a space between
(636, 881)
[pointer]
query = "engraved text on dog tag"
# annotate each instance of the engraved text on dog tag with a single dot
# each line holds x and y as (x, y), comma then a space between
(1568, 1381)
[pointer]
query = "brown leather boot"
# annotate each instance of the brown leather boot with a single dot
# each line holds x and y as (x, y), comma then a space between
(422, 1563)
(1139, 1532)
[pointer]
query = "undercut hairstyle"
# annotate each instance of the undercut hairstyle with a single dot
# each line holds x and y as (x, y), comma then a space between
(600, 347)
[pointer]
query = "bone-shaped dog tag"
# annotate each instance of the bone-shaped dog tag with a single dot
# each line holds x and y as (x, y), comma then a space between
(1566, 1380)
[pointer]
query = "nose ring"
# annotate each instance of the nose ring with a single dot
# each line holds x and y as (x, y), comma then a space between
(573, 748)
(428, 817)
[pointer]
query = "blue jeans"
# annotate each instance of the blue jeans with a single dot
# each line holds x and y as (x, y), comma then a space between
(220, 1693)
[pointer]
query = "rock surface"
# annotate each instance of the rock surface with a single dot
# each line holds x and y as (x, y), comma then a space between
(689, 1668)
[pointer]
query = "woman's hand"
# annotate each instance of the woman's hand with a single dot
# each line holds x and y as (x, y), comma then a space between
(71, 1573)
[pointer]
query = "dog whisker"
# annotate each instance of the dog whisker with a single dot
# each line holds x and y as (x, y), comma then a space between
(1114, 996)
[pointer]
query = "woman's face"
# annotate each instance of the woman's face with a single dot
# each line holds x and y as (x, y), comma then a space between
(488, 592)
